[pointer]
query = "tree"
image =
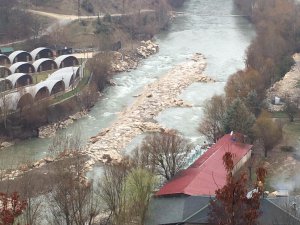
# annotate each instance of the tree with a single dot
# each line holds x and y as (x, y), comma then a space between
(231, 205)
(11, 206)
(72, 199)
(268, 131)
(112, 189)
(213, 115)
(238, 118)
(99, 65)
(253, 102)
(291, 109)
(165, 153)
(140, 184)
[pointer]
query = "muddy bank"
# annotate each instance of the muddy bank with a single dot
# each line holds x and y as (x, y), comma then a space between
(139, 117)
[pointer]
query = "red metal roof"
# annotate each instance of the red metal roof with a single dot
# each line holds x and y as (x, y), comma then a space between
(207, 173)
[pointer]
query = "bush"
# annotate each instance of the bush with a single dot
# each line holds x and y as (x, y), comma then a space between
(87, 6)
(287, 148)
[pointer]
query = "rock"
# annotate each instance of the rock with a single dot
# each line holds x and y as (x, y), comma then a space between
(111, 82)
(48, 160)
(149, 95)
(6, 144)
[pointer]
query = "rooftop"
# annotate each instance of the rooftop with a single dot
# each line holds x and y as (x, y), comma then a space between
(207, 173)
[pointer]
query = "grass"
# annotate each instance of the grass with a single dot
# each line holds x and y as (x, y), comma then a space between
(38, 77)
(298, 84)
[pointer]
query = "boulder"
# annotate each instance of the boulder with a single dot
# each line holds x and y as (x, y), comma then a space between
(6, 144)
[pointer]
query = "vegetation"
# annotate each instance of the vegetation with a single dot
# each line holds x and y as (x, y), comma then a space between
(164, 153)
(268, 131)
(213, 115)
(232, 205)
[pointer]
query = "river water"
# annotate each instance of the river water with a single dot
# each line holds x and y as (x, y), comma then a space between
(209, 27)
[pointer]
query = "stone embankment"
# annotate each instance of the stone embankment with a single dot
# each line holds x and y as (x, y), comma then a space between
(287, 87)
(138, 118)
(125, 61)
(50, 129)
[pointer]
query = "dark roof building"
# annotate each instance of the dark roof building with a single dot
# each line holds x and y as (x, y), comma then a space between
(6, 50)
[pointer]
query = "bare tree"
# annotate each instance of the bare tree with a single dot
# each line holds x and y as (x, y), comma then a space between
(165, 153)
(112, 189)
(72, 199)
(214, 111)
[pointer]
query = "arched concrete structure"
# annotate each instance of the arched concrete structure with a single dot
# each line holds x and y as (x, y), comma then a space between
(4, 60)
(44, 64)
(54, 86)
(25, 101)
(20, 79)
(41, 52)
(66, 61)
(38, 91)
(22, 67)
(67, 74)
(20, 56)
(4, 72)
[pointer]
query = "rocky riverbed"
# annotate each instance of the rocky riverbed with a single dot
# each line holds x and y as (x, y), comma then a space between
(139, 117)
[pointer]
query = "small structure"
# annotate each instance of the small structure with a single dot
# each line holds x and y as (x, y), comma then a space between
(4, 60)
(22, 67)
(41, 52)
(6, 50)
(61, 50)
(68, 75)
(66, 61)
(20, 56)
(20, 79)
(4, 71)
(44, 64)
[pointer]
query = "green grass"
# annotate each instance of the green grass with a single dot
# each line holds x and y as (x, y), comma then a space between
(280, 114)
(298, 84)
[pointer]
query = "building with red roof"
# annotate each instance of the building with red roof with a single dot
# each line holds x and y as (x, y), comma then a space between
(207, 173)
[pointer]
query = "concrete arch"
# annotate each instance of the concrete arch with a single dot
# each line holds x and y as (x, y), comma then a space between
(67, 74)
(54, 86)
(44, 64)
(20, 79)
(41, 52)
(66, 61)
(24, 101)
(4, 60)
(38, 91)
(20, 56)
(4, 72)
(22, 67)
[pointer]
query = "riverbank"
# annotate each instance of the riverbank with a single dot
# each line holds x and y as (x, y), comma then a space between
(139, 118)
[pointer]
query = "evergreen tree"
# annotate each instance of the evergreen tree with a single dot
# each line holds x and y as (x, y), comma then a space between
(238, 118)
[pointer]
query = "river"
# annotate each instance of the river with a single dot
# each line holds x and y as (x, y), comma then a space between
(209, 27)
